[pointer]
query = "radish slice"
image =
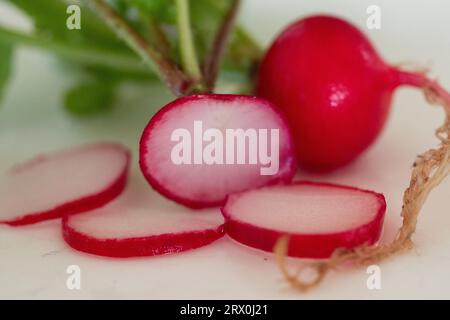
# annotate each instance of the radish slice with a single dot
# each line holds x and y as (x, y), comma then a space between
(128, 227)
(317, 217)
(65, 182)
(197, 183)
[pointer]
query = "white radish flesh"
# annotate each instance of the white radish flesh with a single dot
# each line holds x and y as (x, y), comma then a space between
(199, 184)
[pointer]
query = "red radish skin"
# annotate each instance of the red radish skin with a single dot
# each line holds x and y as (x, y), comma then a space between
(139, 247)
(131, 226)
(208, 185)
(322, 241)
(333, 87)
(84, 200)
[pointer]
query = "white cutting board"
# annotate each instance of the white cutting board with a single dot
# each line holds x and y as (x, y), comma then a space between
(33, 260)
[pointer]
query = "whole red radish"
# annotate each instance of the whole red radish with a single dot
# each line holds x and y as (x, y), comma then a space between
(334, 88)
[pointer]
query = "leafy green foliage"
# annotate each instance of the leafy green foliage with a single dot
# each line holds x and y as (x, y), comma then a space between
(162, 10)
(155, 20)
(90, 97)
(49, 17)
(6, 55)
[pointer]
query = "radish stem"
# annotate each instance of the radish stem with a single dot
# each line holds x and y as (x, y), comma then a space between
(420, 80)
(165, 68)
(214, 60)
(157, 36)
(188, 55)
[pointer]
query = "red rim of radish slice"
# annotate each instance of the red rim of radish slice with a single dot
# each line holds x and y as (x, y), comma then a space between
(142, 246)
(315, 244)
(287, 165)
(85, 201)
(136, 233)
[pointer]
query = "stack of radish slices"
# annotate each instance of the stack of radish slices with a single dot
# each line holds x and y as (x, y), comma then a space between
(102, 215)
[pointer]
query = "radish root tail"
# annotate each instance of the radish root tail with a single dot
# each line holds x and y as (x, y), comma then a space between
(429, 170)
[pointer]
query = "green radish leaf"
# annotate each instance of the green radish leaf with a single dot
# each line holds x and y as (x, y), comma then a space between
(243, 52)
(97, 95)
(6, 55)
(164, 11)
(90, 98)
(50, 16)
(155, 20)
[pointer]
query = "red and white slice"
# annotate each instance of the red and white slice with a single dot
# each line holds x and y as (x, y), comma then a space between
(198, 184)
(61, 183)
(317, 217)
(131, 227)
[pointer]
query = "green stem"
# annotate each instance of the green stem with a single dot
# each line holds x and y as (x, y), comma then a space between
(157, 36)
(188, 55)
(81, 54)
(242, 34)
(163, 66)
(215, 57)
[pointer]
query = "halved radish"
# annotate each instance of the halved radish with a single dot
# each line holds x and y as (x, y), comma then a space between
(317, 217)
(65, 182)
(130, 226)
(200, 177)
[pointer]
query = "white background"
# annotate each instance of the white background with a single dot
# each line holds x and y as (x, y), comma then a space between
(33, 260)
